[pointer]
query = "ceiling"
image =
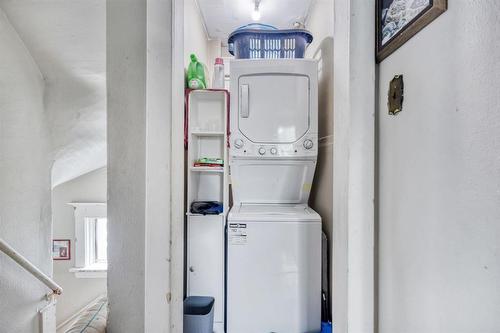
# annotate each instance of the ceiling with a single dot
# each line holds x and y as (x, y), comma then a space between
(67, 39)
(224, 16)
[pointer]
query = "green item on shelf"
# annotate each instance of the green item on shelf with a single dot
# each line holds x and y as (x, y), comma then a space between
(196, 74)
(211, 161)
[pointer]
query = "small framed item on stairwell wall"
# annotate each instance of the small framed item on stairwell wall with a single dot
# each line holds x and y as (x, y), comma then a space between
(399, 20)
(61, 249)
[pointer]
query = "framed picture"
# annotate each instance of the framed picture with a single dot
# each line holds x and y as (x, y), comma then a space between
(399, 20)
(61, 249)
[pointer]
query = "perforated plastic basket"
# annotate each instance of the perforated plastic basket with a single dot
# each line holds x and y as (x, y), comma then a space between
(267, 42)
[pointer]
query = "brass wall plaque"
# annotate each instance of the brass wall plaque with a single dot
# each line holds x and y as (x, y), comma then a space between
(396, 95)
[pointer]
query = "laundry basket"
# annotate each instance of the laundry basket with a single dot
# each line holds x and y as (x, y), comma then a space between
(260, 41)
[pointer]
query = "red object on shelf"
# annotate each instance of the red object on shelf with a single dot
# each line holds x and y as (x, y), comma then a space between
(208, 165)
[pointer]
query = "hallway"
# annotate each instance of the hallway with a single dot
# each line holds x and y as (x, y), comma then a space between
(391, 135)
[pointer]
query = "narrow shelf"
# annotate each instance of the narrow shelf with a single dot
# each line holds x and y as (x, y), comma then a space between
(207, 133)
(208, 215)
(207, 169)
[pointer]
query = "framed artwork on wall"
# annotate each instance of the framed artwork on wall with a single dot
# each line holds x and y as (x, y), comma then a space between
(61, 249)
(399, 20)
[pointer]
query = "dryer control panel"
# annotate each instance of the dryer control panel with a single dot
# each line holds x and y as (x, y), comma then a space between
(304, 147)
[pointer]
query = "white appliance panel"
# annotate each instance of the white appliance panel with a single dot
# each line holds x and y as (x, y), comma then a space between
(274, 277)
(205, 262)
(274, 105)
(272, 181)
(275, 212)
(274, 108)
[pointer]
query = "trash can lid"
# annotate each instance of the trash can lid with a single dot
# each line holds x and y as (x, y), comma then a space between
(198, 305)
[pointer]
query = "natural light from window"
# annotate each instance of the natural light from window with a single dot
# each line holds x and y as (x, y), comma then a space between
(96, 238)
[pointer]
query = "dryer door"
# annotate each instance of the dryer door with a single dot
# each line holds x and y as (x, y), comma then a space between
(273, 108)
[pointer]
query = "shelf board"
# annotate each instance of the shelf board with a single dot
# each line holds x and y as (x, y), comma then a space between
(207, 169)
(207, 133)
(209, 215)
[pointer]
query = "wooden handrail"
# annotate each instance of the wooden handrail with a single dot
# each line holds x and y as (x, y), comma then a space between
(27, 265)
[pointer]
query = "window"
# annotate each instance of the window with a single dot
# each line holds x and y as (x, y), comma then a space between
(96, 239)
(91, 240)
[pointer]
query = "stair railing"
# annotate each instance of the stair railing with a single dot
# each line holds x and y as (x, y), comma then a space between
(27, 265)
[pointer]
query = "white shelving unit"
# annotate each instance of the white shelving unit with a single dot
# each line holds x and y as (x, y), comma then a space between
(207, 137)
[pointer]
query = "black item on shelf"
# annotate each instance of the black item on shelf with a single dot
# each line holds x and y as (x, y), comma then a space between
(206, 207)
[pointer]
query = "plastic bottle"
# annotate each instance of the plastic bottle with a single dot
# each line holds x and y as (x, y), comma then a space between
(196, 74)
(218, 78)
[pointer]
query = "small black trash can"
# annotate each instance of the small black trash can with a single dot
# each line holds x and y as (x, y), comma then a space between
(199, 314)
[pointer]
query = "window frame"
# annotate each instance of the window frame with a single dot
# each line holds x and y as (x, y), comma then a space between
(82, 254)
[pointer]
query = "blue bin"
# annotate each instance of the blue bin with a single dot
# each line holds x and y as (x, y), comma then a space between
(266, 42)
(199, 314)
(326, 327)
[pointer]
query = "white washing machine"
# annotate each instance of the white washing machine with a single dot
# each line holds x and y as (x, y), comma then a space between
(273, 237)
(274, 280)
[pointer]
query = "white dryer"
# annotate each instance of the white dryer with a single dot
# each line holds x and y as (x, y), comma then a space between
(273, 237)
(273, 130)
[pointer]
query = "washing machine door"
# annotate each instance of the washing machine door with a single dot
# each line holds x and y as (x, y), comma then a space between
(274, 108)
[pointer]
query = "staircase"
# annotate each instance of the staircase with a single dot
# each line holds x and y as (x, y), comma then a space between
(47, 314)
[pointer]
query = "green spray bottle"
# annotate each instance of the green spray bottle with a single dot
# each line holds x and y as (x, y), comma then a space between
(196, 74)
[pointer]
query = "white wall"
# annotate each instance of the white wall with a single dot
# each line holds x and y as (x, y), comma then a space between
(71, 56)
(320, 24)
(24, 183)
(440, 177)
(90, 187)
(139, 73)
(353, 166)
(195, 35)
(214, 51)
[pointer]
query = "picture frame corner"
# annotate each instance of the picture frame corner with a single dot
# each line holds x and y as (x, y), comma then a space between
(406, 32)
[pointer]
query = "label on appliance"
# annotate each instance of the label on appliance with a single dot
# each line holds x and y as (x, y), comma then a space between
(237, 234)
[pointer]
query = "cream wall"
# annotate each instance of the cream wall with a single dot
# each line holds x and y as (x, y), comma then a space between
(25, 164)
(320, 24)
(195, 35)
(439, 177)
(90, 187)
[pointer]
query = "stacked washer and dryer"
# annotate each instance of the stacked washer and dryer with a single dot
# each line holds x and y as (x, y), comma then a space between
(273, 238)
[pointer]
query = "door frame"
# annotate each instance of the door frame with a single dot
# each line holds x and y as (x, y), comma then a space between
(177, 159)
(354, 174)
(354, 281)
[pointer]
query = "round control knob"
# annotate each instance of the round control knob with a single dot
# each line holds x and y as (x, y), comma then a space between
(273, 151)
(308, 144)
(238, 143)
(262, 151)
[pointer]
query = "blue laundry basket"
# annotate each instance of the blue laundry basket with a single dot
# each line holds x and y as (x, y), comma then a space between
(260, 41)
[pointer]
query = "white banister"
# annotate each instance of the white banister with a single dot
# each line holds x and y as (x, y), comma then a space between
(27, 265)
